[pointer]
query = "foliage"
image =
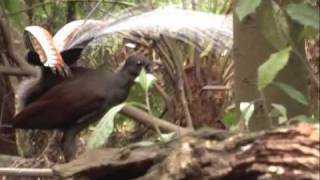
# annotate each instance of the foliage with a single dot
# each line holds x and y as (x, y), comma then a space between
(304, 14)
(247, 109)
(145, 80)
(229, 119)
(104, 128)
(246, 7)
(274, 26)
(281, 112)
(269, 70)
(293, 93)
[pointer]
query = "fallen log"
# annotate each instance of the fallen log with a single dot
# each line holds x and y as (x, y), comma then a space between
(284, 153)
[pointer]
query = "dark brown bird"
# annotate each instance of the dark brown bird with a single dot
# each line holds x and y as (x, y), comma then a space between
(77, 101)
(54, 56)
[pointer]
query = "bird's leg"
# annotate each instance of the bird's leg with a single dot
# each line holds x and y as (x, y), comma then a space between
(69, 145)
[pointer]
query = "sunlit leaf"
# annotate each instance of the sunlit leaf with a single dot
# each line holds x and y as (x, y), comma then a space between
(304, 14)
(230, 119)
(274, 26)
(247, 110)
(146, 80)
(292, 92)
(246, 7)
(167, 137)
(304, 118)
(283, 112)
(269, 70)
(104, 128)
(301, 118)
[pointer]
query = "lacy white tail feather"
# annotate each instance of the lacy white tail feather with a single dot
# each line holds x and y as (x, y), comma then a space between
(25, 88)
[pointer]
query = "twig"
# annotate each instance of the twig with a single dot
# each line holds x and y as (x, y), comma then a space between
(13, 71)
(215, 88)
(164, 95)
(23, 172)
(11, 52)
(180, 81)
(165, 60)
(150, 113)
(145, 118)
(266, 110)
(313, 76)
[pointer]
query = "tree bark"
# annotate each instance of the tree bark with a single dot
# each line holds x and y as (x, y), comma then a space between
(286, 153)
(209, 154)
(7, 135)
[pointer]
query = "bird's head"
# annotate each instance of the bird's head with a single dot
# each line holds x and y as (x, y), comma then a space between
(134, 65)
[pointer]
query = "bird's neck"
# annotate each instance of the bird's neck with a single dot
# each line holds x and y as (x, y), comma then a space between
(127, 79)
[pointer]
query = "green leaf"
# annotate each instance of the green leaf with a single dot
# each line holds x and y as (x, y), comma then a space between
(302, 118)
(292, 92)
(104, 128)
(308, 33)
(269, 70)
(283, 112)
(274, 26)
(146, 80)
(246, 7)
(304, 14)
(247, 110)
(230, 119)
(164, 138)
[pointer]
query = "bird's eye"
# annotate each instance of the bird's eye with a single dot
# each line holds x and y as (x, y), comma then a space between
(139, 62)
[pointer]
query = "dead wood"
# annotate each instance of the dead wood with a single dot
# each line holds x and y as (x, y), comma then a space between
(285, 153)
(209, 154)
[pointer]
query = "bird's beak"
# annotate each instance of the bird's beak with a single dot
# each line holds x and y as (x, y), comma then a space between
(148, 68)
(151, 67)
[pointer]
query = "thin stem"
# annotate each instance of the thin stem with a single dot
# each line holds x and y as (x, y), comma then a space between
(14, 71)
(313, 76)
(266, 109)
(150, 112)
(24, 172)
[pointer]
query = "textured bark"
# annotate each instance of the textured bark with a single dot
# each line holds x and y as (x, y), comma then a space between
(7, 135)
(286, 153)
(209, 154)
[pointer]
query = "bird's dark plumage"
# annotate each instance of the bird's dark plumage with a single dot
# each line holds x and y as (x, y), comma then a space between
(92, 90)
(75, 102)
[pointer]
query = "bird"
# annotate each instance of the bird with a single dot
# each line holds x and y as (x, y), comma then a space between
(53, 56)
(75, 102)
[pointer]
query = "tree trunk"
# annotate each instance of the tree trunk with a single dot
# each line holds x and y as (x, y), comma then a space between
(251, 49)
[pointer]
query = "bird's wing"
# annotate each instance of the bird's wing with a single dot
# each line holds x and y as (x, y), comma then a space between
(58, 109)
